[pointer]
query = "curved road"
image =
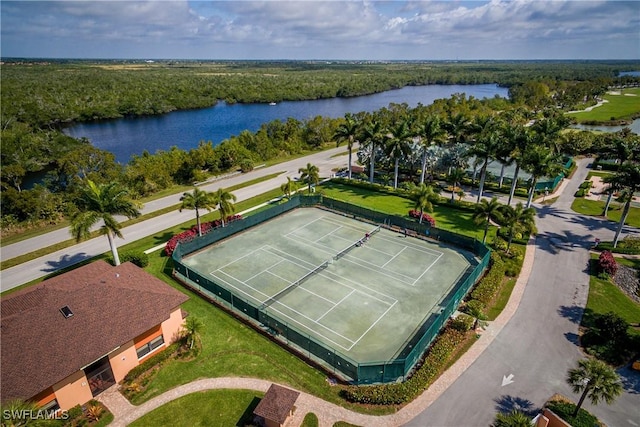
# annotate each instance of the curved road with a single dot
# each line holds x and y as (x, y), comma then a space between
(528, 360)
(28, 271)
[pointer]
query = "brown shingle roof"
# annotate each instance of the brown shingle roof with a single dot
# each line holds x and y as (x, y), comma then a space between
(276, 403)
(110, 305)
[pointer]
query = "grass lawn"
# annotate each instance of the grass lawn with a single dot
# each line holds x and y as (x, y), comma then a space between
(604, 297)
(621, 106)
(596, 207)
(212, 408)
(447, 218)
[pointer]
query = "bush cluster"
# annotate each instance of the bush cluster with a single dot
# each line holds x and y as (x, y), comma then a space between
(157, 359)
(463, 322)
(607, 263)
(565, 411)
(580, 193)
(622, 248)
(138, 258)
(586, 185)
(487, 288)
(414, 213)
(398, 393)
(192, 233)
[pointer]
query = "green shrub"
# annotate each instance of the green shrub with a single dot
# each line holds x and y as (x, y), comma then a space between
(579, 193)
(586, 185)
(463, 322)
(620, 249)
(156, 359)
(139, 258)
(475, 308)
(565, 411)
(489, 285)
(394, 394)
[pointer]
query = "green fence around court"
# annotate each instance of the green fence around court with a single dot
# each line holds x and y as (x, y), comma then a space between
(358, 373)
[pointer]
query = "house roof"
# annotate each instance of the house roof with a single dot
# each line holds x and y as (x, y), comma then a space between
(110, 306)
(276, 404)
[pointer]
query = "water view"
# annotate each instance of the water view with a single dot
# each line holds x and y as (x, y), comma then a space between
(185, 129)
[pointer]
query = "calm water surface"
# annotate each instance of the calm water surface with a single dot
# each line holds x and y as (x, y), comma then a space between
(185, 129)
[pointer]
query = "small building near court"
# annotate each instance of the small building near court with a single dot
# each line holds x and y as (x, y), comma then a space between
(67, 339)
(276, 406)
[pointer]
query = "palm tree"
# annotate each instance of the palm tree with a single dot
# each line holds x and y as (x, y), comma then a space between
(523, 139)
(347, 131)
(191, 330)
(101, 202)
(518, 219)
(627, 181)
(485, 148)
(455, 178)
(423, 197)
(430, 132)
(373, 136)
(540, 161)
(398, 146)
(288, 188)
(515, 418)
(196, 200)
(458, 128)
(485, 213)
(310, 175)
(223, 200)
(594, 379)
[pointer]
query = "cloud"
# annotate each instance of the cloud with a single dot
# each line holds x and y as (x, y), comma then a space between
(356, 29)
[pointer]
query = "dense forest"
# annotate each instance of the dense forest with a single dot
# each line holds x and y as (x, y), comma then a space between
(40, 97)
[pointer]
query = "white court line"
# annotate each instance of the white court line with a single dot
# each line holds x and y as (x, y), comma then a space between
(411, 245)
(336, 304)
(302, 287)
(243, 256)
(240, 290)
(372, 325)
(393, 257)
(303, 226)
(428, 268)
(266, 270)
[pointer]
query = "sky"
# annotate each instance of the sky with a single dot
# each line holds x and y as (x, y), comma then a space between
(327, 29)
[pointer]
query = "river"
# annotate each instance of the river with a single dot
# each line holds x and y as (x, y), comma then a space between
(185, 129)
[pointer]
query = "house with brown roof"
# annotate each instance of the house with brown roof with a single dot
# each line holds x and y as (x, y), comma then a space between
(67, 339)
(276, 406)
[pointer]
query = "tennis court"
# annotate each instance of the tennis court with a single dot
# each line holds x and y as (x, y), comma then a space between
(360, 290)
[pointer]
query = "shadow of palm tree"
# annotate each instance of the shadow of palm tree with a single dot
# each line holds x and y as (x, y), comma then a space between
(506, 403)
(66, 261)
(573, 313)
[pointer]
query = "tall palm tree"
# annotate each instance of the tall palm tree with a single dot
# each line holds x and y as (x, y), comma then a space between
(540, 161)
(423, 197)
(523, 139)
(373, 136)
(458, 127)
(348, 131)
(223, 199)
(398, 146)
(196, 200)
(101, 202)
(486, 148)
(455, 179)
(310, 175)
(430, 132)
(627, 181)
(594, 379)
(486, 212)
(518, 219)
(288, 187)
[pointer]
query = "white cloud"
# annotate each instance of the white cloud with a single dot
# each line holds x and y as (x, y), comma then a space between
(323, 29)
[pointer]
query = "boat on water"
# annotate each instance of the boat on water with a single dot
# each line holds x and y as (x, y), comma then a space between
(272, 103)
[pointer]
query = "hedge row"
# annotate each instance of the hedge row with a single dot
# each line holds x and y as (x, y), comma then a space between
(488, 287)
(621, 249)
(397, 393)
(156, 359)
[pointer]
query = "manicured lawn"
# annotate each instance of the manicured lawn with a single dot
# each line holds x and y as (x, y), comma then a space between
(210, 408)
(604, 297)
(596, 207)
(447, 218)
(618, 107)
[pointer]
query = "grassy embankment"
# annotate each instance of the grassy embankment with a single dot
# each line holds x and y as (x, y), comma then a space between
(625, 106)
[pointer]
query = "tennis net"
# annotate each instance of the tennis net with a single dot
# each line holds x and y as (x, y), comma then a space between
(293, 285)
(355, 244)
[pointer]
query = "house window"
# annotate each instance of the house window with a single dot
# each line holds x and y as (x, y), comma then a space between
(150, 346)
(51, 406)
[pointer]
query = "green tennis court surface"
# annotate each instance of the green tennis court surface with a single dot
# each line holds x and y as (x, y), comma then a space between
(365, 304)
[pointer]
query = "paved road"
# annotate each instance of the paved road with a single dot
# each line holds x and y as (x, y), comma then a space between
(26, 272)
(538, 345)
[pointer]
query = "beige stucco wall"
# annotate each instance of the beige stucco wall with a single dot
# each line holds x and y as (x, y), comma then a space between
(73, 390)
(172, 326)
(123, 360)
(554, 420)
